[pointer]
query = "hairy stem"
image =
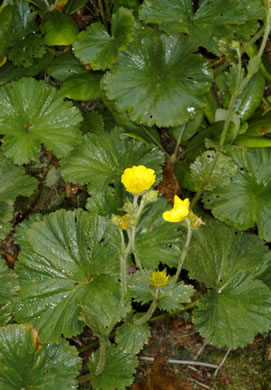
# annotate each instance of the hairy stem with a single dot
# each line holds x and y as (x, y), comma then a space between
(185, 250)
(101, 358)
(151, 310)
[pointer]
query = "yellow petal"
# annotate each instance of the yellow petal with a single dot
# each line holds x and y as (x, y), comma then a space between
(159, 279)
(180, 204)
(175, 215)
(138, 179)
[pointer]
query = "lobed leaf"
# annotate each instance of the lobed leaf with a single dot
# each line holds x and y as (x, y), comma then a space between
(8, 291)
(13, 182)
(118, 370)
(131, 338)
(65, 257)
(233, 317)
(228, 262)
(208, 23)
(172, 296)
(208, 175)
(158, 80)
(26, 364)
(247, 199)
(97, 47)
(28, 122)
(101, 159)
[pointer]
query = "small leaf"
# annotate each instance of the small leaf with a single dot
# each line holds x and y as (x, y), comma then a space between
(105, 203)
(212, 169)
(58, 29)
(158, 80)
(96, 47)
(8, 291)
(13, 182)
(103, 300)
(26, 122)
(233, 317)
(172, 296)
(82, 87)
(25, 364)
(101, 159)
(23, 52)
(118, 370)
(140, 290)
(65, 66)
(131, 338)
(156, 239)
(247, 199)
(58, 265)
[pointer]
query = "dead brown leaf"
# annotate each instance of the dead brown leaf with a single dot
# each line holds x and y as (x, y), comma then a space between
(162, 378)
(169, 186)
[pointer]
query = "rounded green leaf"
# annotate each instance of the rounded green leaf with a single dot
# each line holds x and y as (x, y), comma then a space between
(25, 364)
(13, 182)
(118, 370)
(247, 199)
(82, 87)
(95, 46)
(59, 29)
(234, 316)
(8, 291)
(62, 254)
(33, 113)
(159, 80)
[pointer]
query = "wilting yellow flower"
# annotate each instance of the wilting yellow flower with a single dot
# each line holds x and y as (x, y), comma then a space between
(159, 279)
(123, 222)
(138, 179)
(179, 211)
(3, 61)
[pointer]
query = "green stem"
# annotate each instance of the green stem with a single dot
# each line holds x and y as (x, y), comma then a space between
(185, 250)
(108, 9)
(201, 189)
(101, 358)
(123, 256)
(157, 143)
(101, 7)
(167, 315)
(149, 313)
(123, 277)
(173, 158)
(267, 28)
(131, 234)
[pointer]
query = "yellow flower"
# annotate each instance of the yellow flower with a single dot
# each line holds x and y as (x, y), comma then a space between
(138, 179)
(179, 211)
(159, 279)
